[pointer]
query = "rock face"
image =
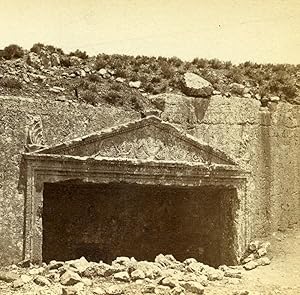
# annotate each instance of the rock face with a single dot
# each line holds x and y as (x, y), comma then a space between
(194, 85)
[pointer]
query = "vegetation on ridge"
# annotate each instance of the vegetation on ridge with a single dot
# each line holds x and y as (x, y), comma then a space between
(105, 78)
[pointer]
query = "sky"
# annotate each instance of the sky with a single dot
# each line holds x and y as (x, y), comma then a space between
(264, 31)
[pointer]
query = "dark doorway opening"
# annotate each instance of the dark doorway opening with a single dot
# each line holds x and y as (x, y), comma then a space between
(103, 221)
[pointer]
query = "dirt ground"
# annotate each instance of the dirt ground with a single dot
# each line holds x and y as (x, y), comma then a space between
(282, 276)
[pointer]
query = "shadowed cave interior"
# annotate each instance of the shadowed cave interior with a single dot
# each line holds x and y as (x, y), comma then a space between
(104, 221)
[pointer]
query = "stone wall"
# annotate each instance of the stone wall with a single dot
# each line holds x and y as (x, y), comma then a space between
(61, 121)
(264, 142)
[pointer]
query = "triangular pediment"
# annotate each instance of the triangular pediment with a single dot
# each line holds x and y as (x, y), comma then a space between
(145, 139)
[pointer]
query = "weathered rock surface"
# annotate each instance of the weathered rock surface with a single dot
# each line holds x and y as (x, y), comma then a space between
(70, 278)
(193, 287)
(8, 277)
(194, 85)
(122, 276)
(79, 264)
(137, 274)
(42, 281)
(135, 84)
(250, 265)
(256, 255)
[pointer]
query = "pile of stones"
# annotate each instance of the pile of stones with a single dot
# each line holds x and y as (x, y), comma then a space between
(124, 275)
(256, 255)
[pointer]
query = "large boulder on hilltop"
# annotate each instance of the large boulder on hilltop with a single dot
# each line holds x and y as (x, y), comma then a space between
(194, 85)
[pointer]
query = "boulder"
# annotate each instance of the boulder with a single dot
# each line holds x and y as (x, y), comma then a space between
(200, 278)
(135, 84)
(149, 288)
(36, 271)
(120, 80)
(195, 267)
(26, 262)
(263, 248)
(216, 92)
(194, 85)
(150, 269)
(169, 281)
(250, 265)
(54, 264)
(177, 291)
(17, 283)
(166, 260)
(122, 276)
(114, 269)
(213, 274)
(193, 287)
(249, 258)
(80, 264)
(137, 274)
(82, 73)
(26, 278)
(111, 72)
(124, 261)
(188, 261)
(253, 246)
(53, 275)
(275, 98)
(8, 276)
(102, 72)
(41, 281)
(70, 278)
(96, 270)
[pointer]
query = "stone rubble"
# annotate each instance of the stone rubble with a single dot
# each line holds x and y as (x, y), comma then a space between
(165, 275)
(256, 255)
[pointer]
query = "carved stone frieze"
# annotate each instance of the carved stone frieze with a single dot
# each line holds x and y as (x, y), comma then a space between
(149, 148)
(147, 139)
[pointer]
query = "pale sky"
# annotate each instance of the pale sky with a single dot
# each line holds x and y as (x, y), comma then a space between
(255, 30)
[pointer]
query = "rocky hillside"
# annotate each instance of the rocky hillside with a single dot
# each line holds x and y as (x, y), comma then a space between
(127, 81)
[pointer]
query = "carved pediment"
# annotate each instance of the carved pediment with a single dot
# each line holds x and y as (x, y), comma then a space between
(145, 139)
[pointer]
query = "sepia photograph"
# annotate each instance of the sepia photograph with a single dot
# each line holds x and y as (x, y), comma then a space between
(149, 147)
